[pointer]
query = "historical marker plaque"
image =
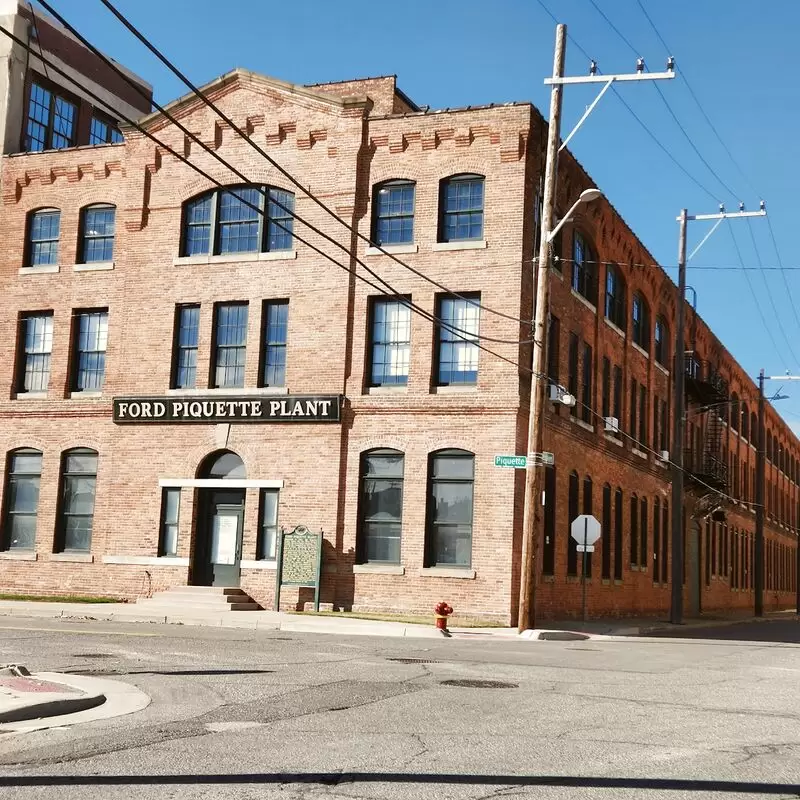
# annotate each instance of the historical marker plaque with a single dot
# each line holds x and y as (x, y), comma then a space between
(299, 562)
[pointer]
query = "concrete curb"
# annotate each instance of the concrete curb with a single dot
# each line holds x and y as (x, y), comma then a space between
(24, 711)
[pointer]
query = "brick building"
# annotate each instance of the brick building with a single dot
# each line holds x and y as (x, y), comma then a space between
(183, 377)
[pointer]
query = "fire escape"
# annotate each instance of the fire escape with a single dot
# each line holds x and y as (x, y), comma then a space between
(706, 396)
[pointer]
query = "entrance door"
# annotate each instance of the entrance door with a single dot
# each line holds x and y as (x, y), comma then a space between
(225, 515)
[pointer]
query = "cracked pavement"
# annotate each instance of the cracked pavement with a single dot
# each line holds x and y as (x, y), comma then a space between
(255, 714)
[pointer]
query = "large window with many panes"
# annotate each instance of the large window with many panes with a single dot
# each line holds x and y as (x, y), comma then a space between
(451, 483)
(97, 233)
(21, 505)
(230, 345)
(390, 341)
(44, 231)
(457, 340)
(380, 512)
(35, 348)
(90, 338)
(51, 121)
(78, 488)
(275, 323)
(461, 208)
(393, 216)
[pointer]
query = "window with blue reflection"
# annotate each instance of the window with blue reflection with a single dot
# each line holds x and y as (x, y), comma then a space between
(394, 213)
(44, 229)
(457, 335)
(197, 236)
(98, 233)
(281, 207)
(462, 208)
(391, 342)
(238, 221)
(186, 336)
(92, 339)
(230, 345)
(276, 322)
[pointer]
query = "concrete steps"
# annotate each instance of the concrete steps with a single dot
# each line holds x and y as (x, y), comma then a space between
(198, 600)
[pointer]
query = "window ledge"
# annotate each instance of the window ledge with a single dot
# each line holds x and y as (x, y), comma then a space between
(148, 561)
(78, 558)
(259, 564)
(456, 388)
(85, 395)
(585, 425)
(615, 328)
(30, 396)
(391, 248)
(379, 569)
(466, 244)
(275, 255)
(661, 367)
(22, 555)
(588, 303)
(93, 266)
(43, 269)
(264, 391)
(637, 452)
(236, 258)
(399, 389)
(640, 349)
(557, 273)
(447, 572)
(613, 439)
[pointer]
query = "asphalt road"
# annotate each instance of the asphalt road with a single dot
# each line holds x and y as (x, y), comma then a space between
(785, 630)
(245, 715)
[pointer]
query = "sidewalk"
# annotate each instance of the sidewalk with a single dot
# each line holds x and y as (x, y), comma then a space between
(346, 625)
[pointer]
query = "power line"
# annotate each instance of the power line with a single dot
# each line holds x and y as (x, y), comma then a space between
(783, 273)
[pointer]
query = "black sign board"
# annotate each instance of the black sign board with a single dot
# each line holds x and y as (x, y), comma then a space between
(299, 562)
(227, 408)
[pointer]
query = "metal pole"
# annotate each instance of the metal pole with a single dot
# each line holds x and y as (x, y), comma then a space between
(758, 566)
(676, 606)
(583, 566)
(530, 539)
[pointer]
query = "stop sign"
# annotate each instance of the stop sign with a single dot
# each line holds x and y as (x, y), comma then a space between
(585, 529)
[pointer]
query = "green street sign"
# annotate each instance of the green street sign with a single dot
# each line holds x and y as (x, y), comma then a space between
(515, 462)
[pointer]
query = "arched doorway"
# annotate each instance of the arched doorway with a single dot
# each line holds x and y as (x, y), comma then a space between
(219, 522)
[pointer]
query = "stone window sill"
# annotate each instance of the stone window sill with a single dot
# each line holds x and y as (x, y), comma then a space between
(259, 564)
(557, 273)
(31, 396)
(236, 258)
(640, 349)
(588, 303)
(466, 244)
(661, 367)
(581, 424)
(78, 558)
(379, 569)
(463, 573)
(399, 389)
(392, 249)
(94, 266)
(85, 395)
(613, 439)
(21, 555)
(255, 391)
(148, 561)
(615, 328)
(43, 269)
(640, 453)
(455, 389)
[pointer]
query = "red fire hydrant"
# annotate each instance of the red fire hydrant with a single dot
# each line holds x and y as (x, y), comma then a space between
(442, 611)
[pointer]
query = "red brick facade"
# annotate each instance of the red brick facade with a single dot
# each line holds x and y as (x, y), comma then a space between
(339, 141)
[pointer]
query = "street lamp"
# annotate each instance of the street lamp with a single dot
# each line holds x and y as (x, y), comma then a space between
(586, 196)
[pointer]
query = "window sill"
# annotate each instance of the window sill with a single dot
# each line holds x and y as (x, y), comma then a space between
(661, 367)
(613, 439)
(615, 328)
(467, 388)
(379, 569)
(148, 561)
(588, 303)
(392, 249)
(464, 573)
(44, 269)
(30, 396)
(259, 564)
(640, 453)
(399, 389)
(263, 391)
(640, 349)
(236, 258)
(78, 558)
(585, 425)
(94, 266)
(466, 244)
(22, 555)
(85, 395)
(557, 273)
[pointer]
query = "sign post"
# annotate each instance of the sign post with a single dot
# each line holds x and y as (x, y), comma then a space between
(299, 562)
(585, 530)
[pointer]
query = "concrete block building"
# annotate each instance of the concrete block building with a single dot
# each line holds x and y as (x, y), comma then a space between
(183, 377)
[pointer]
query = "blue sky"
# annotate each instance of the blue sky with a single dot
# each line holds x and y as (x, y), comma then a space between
(738, 56)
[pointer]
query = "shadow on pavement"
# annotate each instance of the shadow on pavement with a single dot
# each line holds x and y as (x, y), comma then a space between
(184, 672)
(338, 778)
(786, 631)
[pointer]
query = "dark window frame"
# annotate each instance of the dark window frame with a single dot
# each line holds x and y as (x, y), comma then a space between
(573, 506)
(587, 369)
(478, 213)
(269, 531)
(584, 267)
(30, 260)
(363, 536)
(167, 543)
(661, 341)
(79, 374)
(217, 348)
(382, 193)
(274, 347)
(112, 133)
(8, 513)
(446, 335)
(374, 344)
(619, 505)
(615, 305)
(640, 322)
(63, 514)
(24, 354)
(57, 94)
(178, 349)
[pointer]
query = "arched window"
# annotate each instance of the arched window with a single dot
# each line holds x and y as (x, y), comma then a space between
(461, 201)
(23, 474)
(745, 422)
(393, 213)
(380, 512)
(242, 219)
(641, 322)
(584, 268)
(451, 479)
(97, 233)
(661, 342)
(735, 412)
(78, 487)
(44, 231)
(615, 296)
(222, 464)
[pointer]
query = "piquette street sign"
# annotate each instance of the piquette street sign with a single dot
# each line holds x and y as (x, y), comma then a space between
(288, 408)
